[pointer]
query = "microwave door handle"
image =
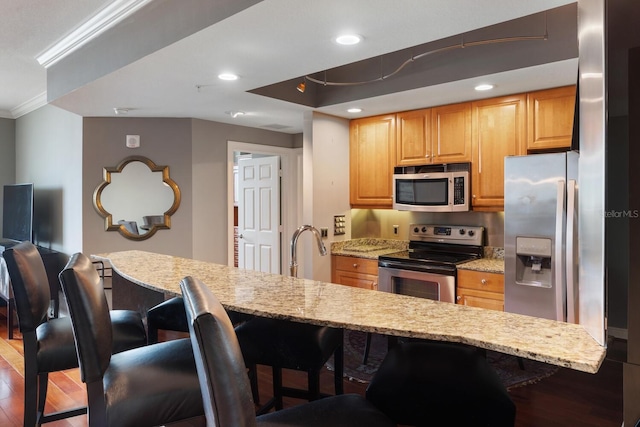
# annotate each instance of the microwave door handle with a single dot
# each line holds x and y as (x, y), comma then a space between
(558, 263)
(571, 262)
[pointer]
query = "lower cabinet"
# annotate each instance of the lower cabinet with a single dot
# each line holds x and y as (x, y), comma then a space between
(356, 272)
(480, 289)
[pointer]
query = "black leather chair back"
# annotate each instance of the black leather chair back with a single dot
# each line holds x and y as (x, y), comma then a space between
(223, 377)
(90, 316)
(30, 285)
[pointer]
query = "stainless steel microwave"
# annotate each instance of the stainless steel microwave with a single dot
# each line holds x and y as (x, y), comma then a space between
(432, 188)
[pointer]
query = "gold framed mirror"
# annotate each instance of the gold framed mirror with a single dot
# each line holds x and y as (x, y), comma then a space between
(140, 195)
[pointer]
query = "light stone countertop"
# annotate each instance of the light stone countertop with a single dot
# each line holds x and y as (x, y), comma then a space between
(368, 248)
(488, 265)
(320, 303)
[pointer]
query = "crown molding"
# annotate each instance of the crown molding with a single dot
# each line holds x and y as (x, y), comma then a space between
(106, 18)
(30, 105)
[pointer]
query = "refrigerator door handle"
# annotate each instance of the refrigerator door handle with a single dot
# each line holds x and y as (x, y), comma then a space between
(572, 314)
(558, 262)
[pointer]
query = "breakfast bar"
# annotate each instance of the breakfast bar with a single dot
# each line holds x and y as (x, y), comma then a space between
(321, 303)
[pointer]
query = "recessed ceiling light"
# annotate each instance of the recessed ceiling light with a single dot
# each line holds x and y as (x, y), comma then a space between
(484, 87)
(354, 110)
(348, 39)
(227, 76)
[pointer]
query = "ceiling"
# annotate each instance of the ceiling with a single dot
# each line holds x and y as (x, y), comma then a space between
(268, 43)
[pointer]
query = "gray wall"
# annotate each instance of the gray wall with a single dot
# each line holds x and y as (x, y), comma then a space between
(7, 156)
(209, 163)
(49, 154)
(167, 142)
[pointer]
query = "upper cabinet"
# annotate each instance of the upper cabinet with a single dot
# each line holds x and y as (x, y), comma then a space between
(434, 135)
(482, 132)
(550, 119)
(372, 156)
(498, 130)
(413, 144)
(451, 133)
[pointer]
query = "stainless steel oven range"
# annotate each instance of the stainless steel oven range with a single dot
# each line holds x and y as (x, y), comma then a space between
(428, 268)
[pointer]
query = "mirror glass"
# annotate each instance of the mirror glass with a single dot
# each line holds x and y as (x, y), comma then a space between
(137, 198)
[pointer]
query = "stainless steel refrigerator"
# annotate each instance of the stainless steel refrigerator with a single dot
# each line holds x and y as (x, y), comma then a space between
(540, 233)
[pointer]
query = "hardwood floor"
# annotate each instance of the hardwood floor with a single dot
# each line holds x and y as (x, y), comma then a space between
(567, 398)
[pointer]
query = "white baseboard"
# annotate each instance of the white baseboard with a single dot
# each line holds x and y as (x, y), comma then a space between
(618, 333)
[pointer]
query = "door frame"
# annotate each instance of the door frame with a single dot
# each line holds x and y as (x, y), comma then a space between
(289, 193)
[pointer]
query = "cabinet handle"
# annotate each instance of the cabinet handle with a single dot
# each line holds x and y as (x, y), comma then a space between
(483, 281)
(458, 298)
(355, 265)
(426, 156)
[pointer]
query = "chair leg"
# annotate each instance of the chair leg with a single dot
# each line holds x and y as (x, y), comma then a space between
(338, 372)
(11, 308)
(277, 388)
(30, 396)
(43, 384)
(313, 380)
(253, 380)
(367, 347)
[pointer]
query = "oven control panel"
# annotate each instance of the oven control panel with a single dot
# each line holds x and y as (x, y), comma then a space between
(458, 234)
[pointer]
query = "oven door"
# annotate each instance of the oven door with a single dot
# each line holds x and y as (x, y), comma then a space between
(439, 287)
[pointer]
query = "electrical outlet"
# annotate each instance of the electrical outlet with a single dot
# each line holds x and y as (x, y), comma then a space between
(395, 229)
(324, 232)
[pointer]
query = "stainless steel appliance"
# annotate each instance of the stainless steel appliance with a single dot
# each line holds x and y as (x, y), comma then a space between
(428, 268)
(432, 188)
(540, 238)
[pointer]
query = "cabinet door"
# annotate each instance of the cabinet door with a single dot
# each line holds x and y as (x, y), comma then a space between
(550, 118)
(372, 158)
(498, 130)
(480, 300)
(413, 138)
(481, 281)
(480, 289)
(451, 133)
(356, 272)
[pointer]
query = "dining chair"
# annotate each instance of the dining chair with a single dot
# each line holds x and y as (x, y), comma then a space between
(419, 381)
(148, 386)
(226, 392)
(48, 343)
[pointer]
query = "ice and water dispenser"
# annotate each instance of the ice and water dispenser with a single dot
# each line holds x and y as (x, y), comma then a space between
(533, 261)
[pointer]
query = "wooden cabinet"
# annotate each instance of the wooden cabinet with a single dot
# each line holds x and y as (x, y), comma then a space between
(498, 130)
(356, 272)
(413, 138)
(550, 119)
(372, 152)
(480, 289)
(451, 133)
(434, 135)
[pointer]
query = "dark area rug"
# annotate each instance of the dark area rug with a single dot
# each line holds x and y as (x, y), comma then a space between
(505, 365)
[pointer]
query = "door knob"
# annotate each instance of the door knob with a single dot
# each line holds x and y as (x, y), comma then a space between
(241, 237)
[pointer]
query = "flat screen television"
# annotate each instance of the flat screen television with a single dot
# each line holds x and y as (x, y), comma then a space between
(17, 212)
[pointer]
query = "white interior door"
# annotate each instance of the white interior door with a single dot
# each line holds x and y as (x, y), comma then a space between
(259, 214)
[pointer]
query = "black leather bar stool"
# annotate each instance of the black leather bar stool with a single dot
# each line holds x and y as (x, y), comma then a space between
(225, 387)
(148, 386)
(48, 343)
(418, 382)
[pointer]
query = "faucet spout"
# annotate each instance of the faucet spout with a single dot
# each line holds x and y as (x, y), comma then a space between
(293, 266)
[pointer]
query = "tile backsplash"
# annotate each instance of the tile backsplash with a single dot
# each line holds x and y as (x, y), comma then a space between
(379, 223)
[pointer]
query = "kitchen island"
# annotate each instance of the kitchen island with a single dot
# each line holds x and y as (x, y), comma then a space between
(320, 303)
